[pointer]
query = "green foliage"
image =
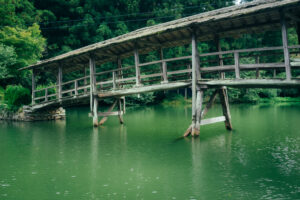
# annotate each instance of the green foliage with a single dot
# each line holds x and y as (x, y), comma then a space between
(1, 95)
(16, 96)
(8, 58)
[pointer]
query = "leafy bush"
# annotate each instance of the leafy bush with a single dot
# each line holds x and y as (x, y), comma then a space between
(16, 96)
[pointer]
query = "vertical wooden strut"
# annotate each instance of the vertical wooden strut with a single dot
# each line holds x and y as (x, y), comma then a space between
(285, 46)
(120, 114)
(59, 82)
(237, 65)
(221, 62)
(163, 67)
(225, 107)
(85, 79)
(137, 68)
(197, 95)
(33, 86)
(93, 91)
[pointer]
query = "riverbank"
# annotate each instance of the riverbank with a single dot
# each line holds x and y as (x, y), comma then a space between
(25, 114)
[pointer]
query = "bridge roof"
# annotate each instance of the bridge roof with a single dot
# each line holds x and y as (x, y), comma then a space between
(256, 16)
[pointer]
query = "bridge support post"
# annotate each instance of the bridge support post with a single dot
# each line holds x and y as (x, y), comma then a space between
(285, 46)
(93, 91)
(137, 67)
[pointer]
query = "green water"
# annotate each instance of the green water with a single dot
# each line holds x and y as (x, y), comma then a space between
(259, 159)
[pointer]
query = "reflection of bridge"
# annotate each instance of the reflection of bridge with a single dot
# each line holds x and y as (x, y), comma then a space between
(199, 71)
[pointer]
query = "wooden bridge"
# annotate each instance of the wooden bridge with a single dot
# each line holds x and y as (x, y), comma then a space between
(200, 71)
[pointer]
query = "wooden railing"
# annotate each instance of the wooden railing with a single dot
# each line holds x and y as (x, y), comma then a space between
(168, 70)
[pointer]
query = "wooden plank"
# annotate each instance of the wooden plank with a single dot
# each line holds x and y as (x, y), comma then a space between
(106, 114)
(95, 112)
(212, 120)
(46, 95)
(285, 46)
(151, 75)
(144, 89)
(241, 51)
(237, 65)
(252, 83)
(165, 60)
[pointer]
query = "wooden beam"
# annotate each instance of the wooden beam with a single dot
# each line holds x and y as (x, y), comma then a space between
(285, 46)
(103, 120)
(144, 89)
(212, 120)
(210, 103)
(251, 83)
(225, 107)
(194, 81)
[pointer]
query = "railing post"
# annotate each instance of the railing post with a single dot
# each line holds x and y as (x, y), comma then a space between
(221, 62)
(33, 87)
(164, 72)
(46, 94)
(120, 72)
(76, 88)
(114, 80)
(285, 46)
(257, 70)
(137, 68)
(59, 81)
(85, 79)
(237, 65)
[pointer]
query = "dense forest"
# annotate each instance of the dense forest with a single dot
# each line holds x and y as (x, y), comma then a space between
(31, 30)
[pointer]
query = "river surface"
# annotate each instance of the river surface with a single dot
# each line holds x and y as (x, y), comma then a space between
(147, 159)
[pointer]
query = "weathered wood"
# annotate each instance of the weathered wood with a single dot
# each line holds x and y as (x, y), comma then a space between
(114, 80)
(137, 68)
(285, 46)
(210, 103)
(197, 115)
(95, 112)
(107, 114)
(165, 60)
(92, 83)
(85, 79)
(225, 107)
(76, 88)
(46, 95)
(237, 65)
(188, 131)
(194, 82)
(59, 80)
(33, 87)
(221, 62)
(120, 112)
(151, 88)
(165, 73)
(103, 120)
(257, 69)
(213, 120)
